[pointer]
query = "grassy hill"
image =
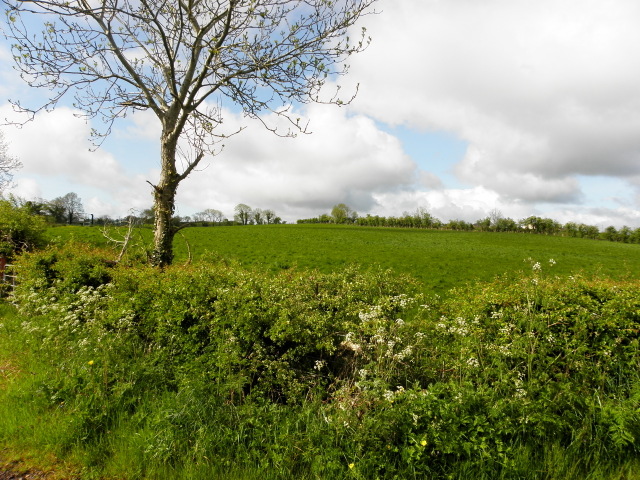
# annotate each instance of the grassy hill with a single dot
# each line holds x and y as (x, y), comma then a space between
(440, 259)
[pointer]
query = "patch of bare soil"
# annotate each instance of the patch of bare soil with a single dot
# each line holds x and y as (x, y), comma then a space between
(12, 471)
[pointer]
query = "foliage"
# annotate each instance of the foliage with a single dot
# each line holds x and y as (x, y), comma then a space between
(243, 214)
(19, 229)
(66, 209)
(421, 218)
(188, 58)
(236, 373)
(342, 213)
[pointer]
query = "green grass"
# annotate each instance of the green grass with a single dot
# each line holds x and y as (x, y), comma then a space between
(216, 371)
(440, 259)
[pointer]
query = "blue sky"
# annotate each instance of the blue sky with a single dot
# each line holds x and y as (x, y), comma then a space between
(531, 108)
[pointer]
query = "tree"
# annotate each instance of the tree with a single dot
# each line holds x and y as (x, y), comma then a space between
(209, 215)
(505, 225)
(342, 213)
(624, 234)
(495, 216)
(243, 214)
(610, 233)
(67, 208)
(484, 224)
(571, 228)
(147, 216)
(423, 217)
(269, 216)
(258, 216)
(7, 164)
(180, 59)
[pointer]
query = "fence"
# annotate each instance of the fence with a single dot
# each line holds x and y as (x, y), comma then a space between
(7, 277)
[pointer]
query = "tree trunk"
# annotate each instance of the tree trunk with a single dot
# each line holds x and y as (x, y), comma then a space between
(164, 196)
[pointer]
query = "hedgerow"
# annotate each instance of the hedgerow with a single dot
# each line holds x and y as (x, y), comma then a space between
(215, 369)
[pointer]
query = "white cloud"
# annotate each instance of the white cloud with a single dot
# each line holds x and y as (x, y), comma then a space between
(26, 188)
(345, 159)
(542, 91)
(545, 94)
(54, 150)
(469, 204)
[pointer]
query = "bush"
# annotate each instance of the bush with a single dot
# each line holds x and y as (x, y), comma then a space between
(19, 229)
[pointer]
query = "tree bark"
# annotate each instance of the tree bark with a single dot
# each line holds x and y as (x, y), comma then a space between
(164, 195)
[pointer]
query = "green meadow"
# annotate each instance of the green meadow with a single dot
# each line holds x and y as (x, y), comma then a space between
(439, 259)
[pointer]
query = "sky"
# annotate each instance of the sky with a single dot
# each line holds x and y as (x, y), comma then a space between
(463, 108)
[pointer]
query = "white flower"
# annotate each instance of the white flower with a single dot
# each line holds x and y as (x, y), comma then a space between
(404, 353)
(319, 365)
(374, 313)
(354, 347)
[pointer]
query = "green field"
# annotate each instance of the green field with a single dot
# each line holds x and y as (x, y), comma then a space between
(440, 259)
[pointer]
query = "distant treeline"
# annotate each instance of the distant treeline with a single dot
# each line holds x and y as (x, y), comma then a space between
(495, 222)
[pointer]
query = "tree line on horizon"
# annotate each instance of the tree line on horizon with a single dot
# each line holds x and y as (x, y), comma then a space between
(494, 222)
(69, 210)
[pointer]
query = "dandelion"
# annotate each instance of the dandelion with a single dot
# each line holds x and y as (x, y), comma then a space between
(90, 362)
(351, 465)
(423, 443)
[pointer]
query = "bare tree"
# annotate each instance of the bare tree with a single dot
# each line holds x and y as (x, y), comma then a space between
(181, 59)
(495, 216)
(209, 215)
(8, 164)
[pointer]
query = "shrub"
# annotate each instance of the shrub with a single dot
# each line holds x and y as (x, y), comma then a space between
(19, 229)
